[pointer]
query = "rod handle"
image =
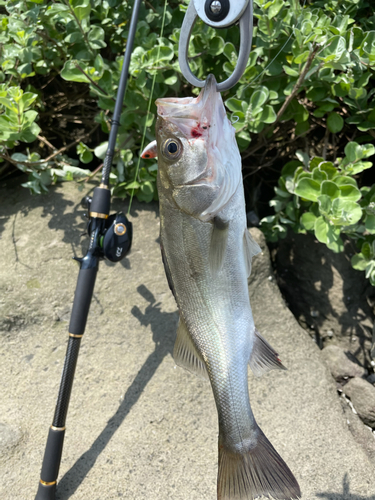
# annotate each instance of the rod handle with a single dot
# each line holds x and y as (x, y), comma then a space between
(51, 464)
(82, 300)
(46, 492)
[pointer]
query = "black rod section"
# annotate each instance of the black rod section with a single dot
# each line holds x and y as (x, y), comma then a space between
(120, 96)
(66, 383)
(56, 434)
(81, 305)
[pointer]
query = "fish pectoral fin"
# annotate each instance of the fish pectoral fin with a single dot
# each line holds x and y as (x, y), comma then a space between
(218, 245)
(250, 248)
(185, 353)
(263, 357)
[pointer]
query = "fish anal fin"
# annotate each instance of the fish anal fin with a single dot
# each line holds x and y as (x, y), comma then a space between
(254, 472)
(250, 248)
(263, 357)
(185, 353)
(218, 246)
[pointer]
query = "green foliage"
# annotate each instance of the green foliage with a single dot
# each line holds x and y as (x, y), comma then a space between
(82, 42)
(308, 85)
(325, 199)
(17, 122)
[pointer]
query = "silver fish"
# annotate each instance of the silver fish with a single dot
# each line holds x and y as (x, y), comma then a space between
(207, 252)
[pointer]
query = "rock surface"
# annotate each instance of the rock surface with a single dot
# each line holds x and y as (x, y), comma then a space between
(329, 297)
(138, 427)
(361, 433)
(362, 396)
(341, 364)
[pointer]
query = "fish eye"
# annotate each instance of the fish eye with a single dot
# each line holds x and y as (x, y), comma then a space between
(172, 149)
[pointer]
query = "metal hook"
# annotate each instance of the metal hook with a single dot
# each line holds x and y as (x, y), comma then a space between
(245, 17)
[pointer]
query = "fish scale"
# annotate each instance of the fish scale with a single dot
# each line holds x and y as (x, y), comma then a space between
(207, 253)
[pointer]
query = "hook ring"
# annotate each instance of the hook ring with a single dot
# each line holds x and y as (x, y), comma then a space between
(246, 34)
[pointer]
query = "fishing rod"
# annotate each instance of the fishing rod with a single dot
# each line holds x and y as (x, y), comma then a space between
(111, 235)
(110, 238)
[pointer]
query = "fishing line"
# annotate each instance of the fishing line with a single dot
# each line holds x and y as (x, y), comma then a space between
(277, 55)
(148, 107)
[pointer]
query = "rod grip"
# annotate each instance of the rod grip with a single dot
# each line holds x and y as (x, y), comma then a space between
(101, 199)
(46, 492)
(82, 300)
(51, 464)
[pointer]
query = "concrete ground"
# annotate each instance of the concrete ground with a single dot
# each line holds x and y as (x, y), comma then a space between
(138, 427)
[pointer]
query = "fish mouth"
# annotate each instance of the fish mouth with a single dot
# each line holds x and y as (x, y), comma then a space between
(209, 89)
(192, 108)
(178, 102)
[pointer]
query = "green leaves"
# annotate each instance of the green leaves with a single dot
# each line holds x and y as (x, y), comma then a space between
(17, 121)
(365, 260)
(335, 123)
(96, 37)
(345, 212)
(335, 48)
(353, 151)
(85, 153)
(273, 8)
(308, 188)
(317, 196)
(308, 220)
(368, 46)
(258, 98)
(268, 115)
(81, 8)
(330, 189)
(253, 115)
(326, 233)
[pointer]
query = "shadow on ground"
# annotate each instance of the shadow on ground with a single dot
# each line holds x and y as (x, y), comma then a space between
(346, 495)
(55, 205)
(157, 320)
(326, 295)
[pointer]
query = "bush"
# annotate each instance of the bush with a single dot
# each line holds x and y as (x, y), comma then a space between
(307, 92)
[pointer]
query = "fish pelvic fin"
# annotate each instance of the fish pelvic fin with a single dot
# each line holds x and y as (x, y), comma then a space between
(250, 248)
(258, 471)
(218, 246)
(185, 353)
(263, 357)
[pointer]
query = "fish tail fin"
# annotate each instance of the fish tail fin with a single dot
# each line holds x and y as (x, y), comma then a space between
(255, 472)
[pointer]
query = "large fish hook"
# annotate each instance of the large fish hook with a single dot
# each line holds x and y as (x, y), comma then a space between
(218, 14)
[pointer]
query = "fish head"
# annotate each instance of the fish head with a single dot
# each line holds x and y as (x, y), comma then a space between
(198, 157)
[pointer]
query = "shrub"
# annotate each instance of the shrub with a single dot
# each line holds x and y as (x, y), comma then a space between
(308, 90)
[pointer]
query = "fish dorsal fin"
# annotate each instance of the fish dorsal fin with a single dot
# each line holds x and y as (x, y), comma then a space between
(250, 248)
(218, 245)
(263, 357)
(185, 353)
